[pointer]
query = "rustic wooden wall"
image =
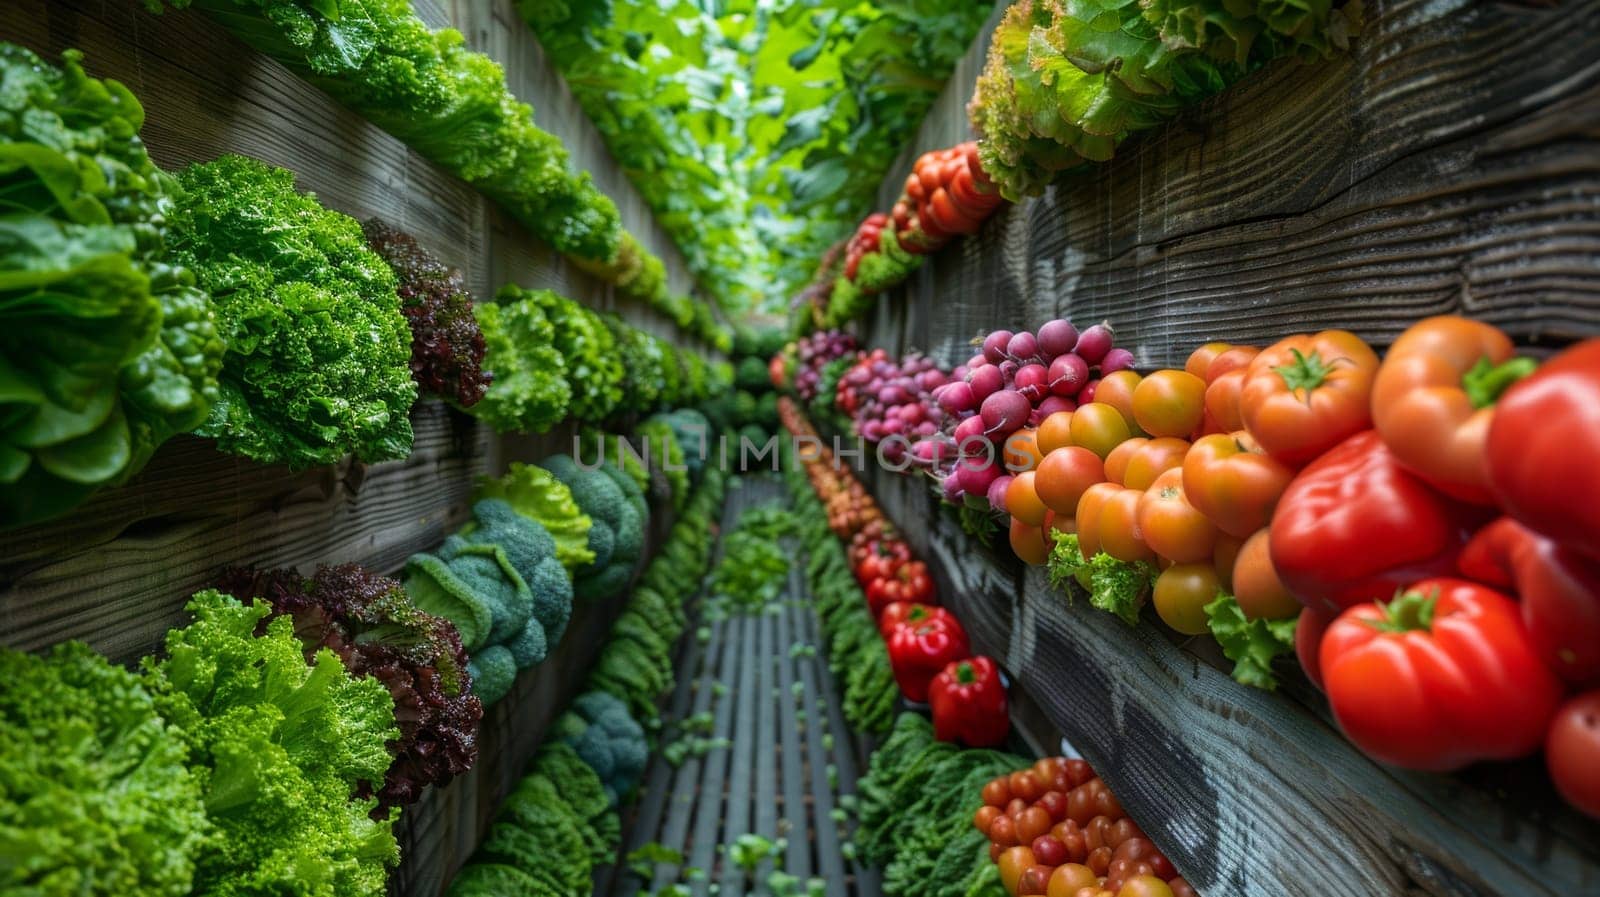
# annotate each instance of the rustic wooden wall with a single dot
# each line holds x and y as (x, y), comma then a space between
(117, 572)
(1451, 163)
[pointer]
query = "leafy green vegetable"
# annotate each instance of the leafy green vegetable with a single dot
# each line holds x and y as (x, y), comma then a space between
(642, 860)
(758, 133)
(599, 728)
(594, 368)
(446, 344)
(318, 361)
(1066, 82)
(109, 349)
(97, 799)
(282, 746)
(1114, 586)
(530, 392)
(1250, 644)
(534, 493)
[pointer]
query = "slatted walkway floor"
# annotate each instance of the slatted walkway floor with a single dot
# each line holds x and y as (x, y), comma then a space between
(759, 690)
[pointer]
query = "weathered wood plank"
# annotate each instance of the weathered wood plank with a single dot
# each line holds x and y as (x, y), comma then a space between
(1449, 164)
(1250, 793)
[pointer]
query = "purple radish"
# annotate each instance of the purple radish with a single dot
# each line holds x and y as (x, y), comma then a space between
(1023, 347)
(1086, 394)
(1068, 373)
(1116, 360)
(985, 381)
(1094, 343)
(1004, 412)
(994, 345)
(997, 492)
(957, 397)
(1057, 338)
(1032, 381)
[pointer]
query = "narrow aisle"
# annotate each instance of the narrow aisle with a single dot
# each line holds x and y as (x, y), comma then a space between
(755, 803)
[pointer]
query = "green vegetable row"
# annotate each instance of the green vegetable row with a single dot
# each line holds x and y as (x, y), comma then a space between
(454, 107)
(914, 814)
(224, 302)
(855, 649)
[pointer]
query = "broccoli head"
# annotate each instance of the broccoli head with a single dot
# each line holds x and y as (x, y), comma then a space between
(552, 599)
(612, 743)
(529, 646)
(493, 670)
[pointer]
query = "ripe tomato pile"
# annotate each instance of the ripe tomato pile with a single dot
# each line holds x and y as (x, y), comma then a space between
(927, 646)
(1056, 830)
(946, 194)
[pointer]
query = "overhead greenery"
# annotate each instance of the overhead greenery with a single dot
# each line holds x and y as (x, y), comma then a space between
(758, 130)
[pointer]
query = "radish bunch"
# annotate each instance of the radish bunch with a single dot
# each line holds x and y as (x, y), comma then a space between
(887, 398)
(1016, 380)
(813, 353)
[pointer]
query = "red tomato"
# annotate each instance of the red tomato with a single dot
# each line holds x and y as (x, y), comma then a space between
(1571, 750)
(997, 792)
(1236, 358)
(1026, 785)
(985, 817)
(1064, 475)
(1049, 850)
(1306, 394)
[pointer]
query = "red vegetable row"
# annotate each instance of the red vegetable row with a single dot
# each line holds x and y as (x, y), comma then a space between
(927, 646)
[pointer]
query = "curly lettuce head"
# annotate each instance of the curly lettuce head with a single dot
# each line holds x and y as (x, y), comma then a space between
(318, 362)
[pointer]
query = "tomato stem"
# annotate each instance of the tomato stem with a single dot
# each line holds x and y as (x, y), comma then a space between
(1486, 380)
(1306, 372)
(1408, 612)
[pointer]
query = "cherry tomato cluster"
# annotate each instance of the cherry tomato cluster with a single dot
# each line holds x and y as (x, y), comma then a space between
(863, 241)
(927, 646)
(1056, 830)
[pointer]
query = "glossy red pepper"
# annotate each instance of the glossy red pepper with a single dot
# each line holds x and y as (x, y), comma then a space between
(1354, 527)
(1443, 676)
(1559, 588)
(1544, 449)
(907, 613)
(918, 653)
(969, 704)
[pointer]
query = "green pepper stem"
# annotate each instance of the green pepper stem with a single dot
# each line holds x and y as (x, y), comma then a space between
(1486, 380)
(965, 674)
(1306, 372)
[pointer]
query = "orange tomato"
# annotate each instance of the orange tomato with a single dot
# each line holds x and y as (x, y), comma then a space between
(1261, 594)
(1058, 523)
(1225, 557)
(1088, 516)
(1201, 358)
(1222, 401)
(1099, 427)
(1171, 526)
(1012, 864)
(1116, 390)
(1021, 450)
(1235, 359)
(1308, 393)
(1028, 543)
(1064, 475)
(1022, 501)
(1119, 527)
(1153, 459)
(1117, 461)
(1168, 403)
(1181, 594)
(1054, 432)
(1144, 886)
(1069, 879)
(1230, 480)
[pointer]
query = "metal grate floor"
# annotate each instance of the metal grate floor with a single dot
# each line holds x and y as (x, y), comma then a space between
(780, 757)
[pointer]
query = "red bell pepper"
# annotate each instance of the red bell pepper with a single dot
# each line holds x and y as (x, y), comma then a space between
(1544, 449)
(918, 653)
(1442, 676)
(908, 613)
(1354, 527)
(1559, 588)
(969, 704)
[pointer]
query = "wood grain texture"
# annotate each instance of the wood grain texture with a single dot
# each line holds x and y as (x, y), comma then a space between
(1451, 163)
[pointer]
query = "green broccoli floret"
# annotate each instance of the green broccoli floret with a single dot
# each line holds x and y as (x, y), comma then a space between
(529, 646)
(539, 834)
(630, 489)
(491, 880)
(493, 671)
(552, 599)
(489, 572)
(608, 583)
(613, 743)
(435, 588)
(537, 494)
(630, 537)
(602, 544)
